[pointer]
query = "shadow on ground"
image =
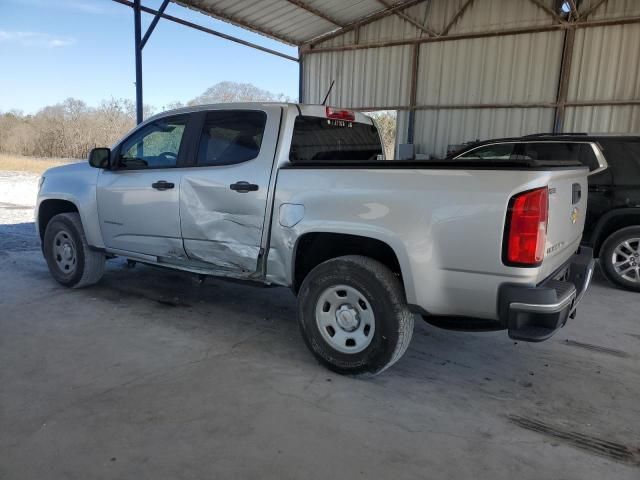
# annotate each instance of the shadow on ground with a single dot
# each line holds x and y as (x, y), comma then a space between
(18, 237)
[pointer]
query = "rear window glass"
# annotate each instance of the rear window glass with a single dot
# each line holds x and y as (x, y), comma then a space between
(316, 139)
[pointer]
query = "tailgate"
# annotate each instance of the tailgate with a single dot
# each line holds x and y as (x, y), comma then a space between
(567, 209)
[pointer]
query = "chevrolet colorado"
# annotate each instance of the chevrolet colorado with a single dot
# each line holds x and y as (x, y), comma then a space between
(612, 225)
(301, 196)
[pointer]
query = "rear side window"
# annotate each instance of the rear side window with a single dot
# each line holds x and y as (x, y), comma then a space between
(562, 151)
(231, 136)
(316, 139)
(495, 152)
(552, 151)
(623, 158)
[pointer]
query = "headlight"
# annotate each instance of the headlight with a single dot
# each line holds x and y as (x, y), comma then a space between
(40, 182)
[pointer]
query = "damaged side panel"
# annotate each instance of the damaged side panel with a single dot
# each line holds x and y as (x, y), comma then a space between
(221, 218)
(218, 225)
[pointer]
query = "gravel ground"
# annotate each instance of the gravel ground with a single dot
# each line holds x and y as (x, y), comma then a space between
(18, 192)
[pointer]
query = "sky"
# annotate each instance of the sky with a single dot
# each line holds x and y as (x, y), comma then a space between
(54, 49)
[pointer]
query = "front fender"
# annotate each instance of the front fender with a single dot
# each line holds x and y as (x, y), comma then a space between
(77, 186)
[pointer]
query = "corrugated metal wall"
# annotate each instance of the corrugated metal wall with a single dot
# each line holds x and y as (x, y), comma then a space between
(500, 70)
(605, 66)
(363, 78)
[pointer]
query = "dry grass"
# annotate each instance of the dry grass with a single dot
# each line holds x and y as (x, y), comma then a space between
(19, 163)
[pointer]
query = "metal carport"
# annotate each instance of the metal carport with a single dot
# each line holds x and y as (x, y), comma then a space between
(455, 70)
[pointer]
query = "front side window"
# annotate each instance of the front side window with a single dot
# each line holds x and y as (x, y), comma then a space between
(154, 146)
(495, 152)
(316, 138)
(231, 137)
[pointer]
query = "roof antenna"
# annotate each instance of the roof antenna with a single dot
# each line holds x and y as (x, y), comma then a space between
(324, 102)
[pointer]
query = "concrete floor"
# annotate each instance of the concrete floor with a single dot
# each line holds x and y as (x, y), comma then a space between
(150, 375)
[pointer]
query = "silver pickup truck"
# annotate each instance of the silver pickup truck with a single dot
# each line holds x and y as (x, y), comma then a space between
(301, 196)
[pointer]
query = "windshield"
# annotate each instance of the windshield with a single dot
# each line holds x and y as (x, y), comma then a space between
(316, 138)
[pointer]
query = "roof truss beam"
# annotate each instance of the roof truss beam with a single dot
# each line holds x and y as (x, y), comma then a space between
(549, 10)
(214, 12)
(456, 17)
(574, 10)
(365, 21)
(471, 35)
(409, 19)
(154, 22)
(593, 8)
(210, 31)
(305, 6)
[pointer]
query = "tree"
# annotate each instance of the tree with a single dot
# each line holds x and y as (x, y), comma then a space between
(173, 105)
(385, 121)
(227, 92)
(71, 128)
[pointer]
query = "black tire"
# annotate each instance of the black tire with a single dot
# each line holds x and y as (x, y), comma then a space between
(383, 292)
(607, 260)
(86, 267)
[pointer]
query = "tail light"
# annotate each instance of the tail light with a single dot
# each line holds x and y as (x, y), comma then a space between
(526, 229)
(337, 114)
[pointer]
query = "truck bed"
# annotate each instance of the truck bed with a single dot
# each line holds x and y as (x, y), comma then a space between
(444, 221)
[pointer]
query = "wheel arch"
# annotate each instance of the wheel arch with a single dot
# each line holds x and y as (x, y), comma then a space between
(313, 248)
(611, 222)
(51, 207)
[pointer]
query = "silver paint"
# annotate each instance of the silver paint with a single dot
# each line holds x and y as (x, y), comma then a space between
(221, 226)
(445, 226)
(290, 214)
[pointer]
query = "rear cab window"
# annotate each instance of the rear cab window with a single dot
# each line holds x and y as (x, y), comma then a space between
(318, 139)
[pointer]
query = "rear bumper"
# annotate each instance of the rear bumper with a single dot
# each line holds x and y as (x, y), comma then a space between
(534, 314)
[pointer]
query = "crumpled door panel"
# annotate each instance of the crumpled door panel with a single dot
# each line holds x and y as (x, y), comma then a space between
(220, 226)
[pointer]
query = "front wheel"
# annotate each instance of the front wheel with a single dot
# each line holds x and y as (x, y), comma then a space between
(353, 316)
(620, 258)
(69, 257)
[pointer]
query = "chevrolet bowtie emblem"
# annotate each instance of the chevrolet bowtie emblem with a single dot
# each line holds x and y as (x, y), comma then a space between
(574, 215)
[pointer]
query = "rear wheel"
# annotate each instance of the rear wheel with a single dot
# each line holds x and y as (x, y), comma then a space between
(353, 315)
(69, 257)
(620, 258)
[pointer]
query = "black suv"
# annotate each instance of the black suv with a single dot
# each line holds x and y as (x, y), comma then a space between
(612, 226)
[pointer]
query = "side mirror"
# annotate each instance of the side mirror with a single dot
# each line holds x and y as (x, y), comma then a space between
(100, 158)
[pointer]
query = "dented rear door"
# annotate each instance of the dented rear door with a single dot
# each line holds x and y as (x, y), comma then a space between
(223, 197)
